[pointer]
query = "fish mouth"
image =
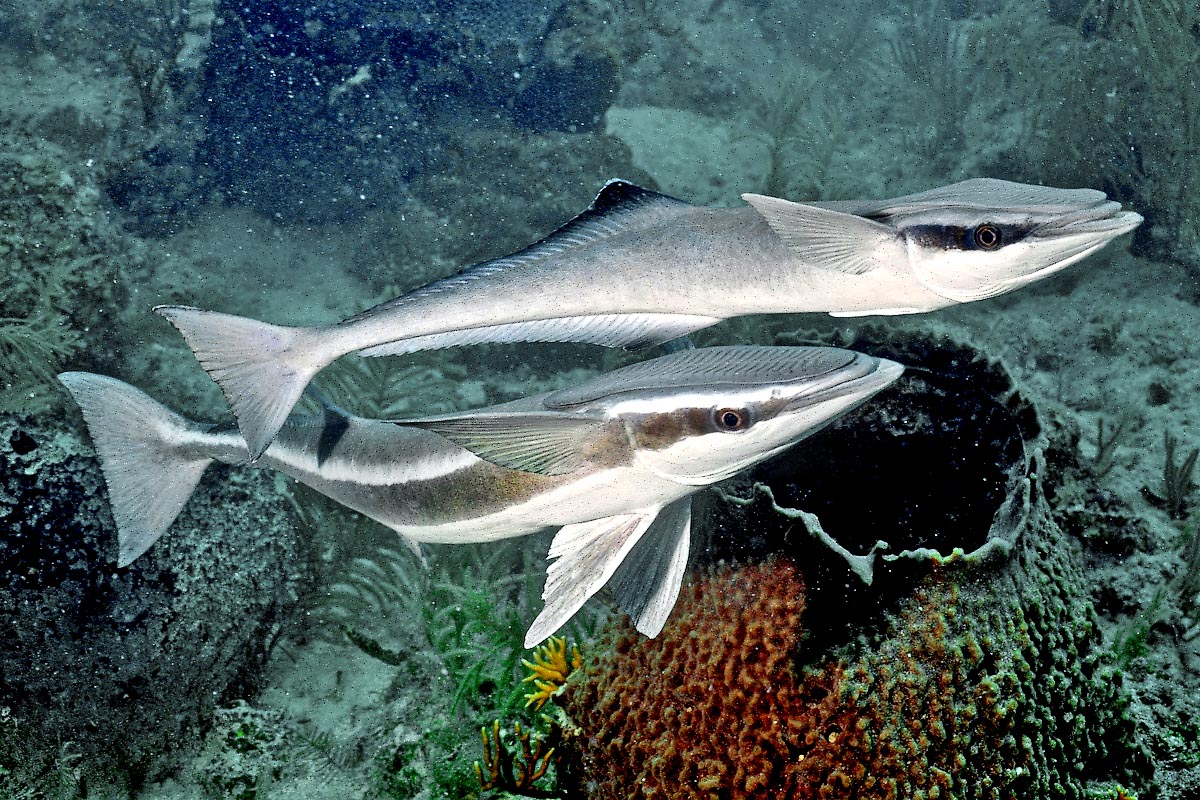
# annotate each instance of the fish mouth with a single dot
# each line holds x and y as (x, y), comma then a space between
(1074, 236)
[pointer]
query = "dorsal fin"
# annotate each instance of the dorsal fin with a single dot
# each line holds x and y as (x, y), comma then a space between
(618, 194)
(620, 207)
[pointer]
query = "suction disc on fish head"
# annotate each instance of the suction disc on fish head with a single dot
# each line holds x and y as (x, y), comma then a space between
(699, 416)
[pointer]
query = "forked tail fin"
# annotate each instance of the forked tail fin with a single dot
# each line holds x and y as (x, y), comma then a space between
(143, 448)
(261, 368)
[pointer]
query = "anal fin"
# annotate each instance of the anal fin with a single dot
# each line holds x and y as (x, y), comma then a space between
(646, 584)
(587, 554)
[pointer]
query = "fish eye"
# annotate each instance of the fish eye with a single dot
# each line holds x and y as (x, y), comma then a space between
(987, 237)
(731, 419)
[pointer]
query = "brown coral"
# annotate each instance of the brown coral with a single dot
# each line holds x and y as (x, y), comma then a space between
(676, 712)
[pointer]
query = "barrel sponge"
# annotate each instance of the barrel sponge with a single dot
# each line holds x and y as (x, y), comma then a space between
(972, 686)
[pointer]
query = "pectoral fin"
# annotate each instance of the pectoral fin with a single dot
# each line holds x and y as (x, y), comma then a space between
(646, 584)
(543, 443)
(830, 239)
(587, 554)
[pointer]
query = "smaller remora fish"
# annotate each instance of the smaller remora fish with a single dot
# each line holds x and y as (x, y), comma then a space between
(612, 462)
(640, 268)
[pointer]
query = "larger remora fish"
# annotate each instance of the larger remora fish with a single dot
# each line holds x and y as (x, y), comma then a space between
(612, 461)
(639, 268)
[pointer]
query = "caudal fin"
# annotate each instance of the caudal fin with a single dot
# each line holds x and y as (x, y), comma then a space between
(142, 448)
(261, 368)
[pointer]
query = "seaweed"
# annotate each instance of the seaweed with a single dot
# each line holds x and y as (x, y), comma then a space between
(464, 617)
(503, 771)
(320, 746)
(1178, 486)
(1130, 642)
(61, 292)
(932, 52)
(60, 775)
(1189, 580)
(1127, 91)
(807, 127)
(374, 387)
(968, 81)
(1108, 439)
(1177, 478)
(33, 349)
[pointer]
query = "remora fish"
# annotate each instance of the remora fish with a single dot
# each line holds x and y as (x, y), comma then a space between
(640, 268)
(613, 461)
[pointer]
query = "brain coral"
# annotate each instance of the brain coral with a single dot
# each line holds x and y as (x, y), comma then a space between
(779, 677)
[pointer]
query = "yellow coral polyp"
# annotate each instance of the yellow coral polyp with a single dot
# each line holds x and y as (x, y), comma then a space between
(549, 669)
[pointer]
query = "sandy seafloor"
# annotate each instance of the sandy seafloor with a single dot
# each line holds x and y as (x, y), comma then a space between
(1114, 335)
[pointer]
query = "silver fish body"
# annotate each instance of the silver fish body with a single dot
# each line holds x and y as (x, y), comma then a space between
(639, 268)
(612, 462)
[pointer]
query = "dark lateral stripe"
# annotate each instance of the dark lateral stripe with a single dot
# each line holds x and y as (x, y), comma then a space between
(332, 431)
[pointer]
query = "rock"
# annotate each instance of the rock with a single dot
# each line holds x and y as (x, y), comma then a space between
(121, 669)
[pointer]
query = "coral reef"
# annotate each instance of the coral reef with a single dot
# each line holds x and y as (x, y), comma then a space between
(704, 709)
(502, 770)
(127, 665)
(245, 751)
(468, 140)
(961, 696)
(549, 670)
(61, 267)
(950, 675)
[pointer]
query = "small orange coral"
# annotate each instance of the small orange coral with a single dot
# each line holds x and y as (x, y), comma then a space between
(549, 670)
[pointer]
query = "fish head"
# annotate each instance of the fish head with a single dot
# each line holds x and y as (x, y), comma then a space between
(981, 238)
(700, 416)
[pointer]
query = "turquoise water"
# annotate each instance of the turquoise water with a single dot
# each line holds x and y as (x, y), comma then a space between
(301, 162)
